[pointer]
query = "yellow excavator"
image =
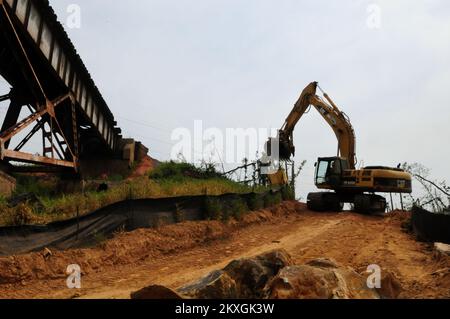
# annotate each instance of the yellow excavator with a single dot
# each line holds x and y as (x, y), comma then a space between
(338, 175)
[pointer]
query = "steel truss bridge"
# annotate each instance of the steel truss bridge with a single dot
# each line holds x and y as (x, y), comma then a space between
(49, 80)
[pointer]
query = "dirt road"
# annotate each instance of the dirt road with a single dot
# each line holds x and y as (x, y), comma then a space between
(175, 255)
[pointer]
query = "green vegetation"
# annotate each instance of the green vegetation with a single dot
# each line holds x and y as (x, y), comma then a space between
(179, 171)
(288, 193)
(64, 206)
(225, 208)
(35, 185)
(55, 200)
(217, 208)
(58, 200)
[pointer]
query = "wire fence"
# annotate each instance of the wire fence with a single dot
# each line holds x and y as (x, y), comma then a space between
(254, 173)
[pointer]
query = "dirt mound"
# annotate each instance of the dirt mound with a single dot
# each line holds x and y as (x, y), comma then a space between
(398, 216)
(129, 248)
(173, 256)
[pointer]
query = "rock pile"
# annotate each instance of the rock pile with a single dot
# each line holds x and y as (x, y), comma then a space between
(273, 275)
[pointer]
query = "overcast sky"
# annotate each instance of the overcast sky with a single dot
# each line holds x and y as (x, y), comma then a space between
(232, 63)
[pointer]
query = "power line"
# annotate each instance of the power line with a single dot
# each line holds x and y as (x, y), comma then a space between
(144, 124)
(148, 137)
(131, 133)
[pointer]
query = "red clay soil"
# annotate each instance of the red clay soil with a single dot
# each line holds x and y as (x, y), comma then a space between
(178, 254)
(144, 167)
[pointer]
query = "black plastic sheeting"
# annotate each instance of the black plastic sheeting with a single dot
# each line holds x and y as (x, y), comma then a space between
(432, 227)
(90, 229)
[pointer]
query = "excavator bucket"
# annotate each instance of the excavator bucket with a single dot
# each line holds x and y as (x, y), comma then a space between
(278, 178)
(285, 149)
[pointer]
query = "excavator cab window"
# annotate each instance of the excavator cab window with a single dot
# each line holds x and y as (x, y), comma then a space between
(329, 171)
(322, 169)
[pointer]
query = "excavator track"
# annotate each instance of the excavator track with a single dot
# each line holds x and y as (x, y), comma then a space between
(324, 201)
(363, 203)
(369, 204)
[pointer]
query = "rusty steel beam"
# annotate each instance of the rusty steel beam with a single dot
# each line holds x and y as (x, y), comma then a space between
(33, 131)
(40, 63)
(40, 28)
(19, 127)
(35, 159)
(60, 143)
(7, 135)
(49, 109)
(41, 125)
(11, 117)
(51, 136)
(19, 53)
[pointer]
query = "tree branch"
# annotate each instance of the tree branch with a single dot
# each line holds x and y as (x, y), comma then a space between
(432, 183)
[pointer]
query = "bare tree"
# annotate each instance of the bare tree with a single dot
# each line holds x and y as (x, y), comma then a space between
(435, 194)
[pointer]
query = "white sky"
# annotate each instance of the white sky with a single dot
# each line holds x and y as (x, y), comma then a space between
(243, 64)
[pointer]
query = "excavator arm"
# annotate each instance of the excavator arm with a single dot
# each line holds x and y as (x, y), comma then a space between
(337, 120)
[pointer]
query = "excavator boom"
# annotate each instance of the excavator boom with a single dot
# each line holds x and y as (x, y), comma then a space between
(337, 120)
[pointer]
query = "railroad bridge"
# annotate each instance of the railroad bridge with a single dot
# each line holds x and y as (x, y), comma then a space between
(50, 83)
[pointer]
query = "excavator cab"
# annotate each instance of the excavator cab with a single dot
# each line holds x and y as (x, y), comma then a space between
(329, 171)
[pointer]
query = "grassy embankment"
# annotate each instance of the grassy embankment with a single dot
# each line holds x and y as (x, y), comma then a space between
(167, 180)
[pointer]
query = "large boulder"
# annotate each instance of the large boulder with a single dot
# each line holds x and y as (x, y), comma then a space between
(273, 275)
(320, 279)
(323, 263)
(252, 274)
(242, 278)
(155, 292)
(216, 285)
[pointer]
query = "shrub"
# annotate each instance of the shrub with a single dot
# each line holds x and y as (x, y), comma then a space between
(288, 193)
(23, 214)
(173, 170)
(35, 185)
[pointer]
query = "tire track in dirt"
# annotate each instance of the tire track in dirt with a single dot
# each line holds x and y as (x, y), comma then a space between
(199, 262)
(352, 240)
